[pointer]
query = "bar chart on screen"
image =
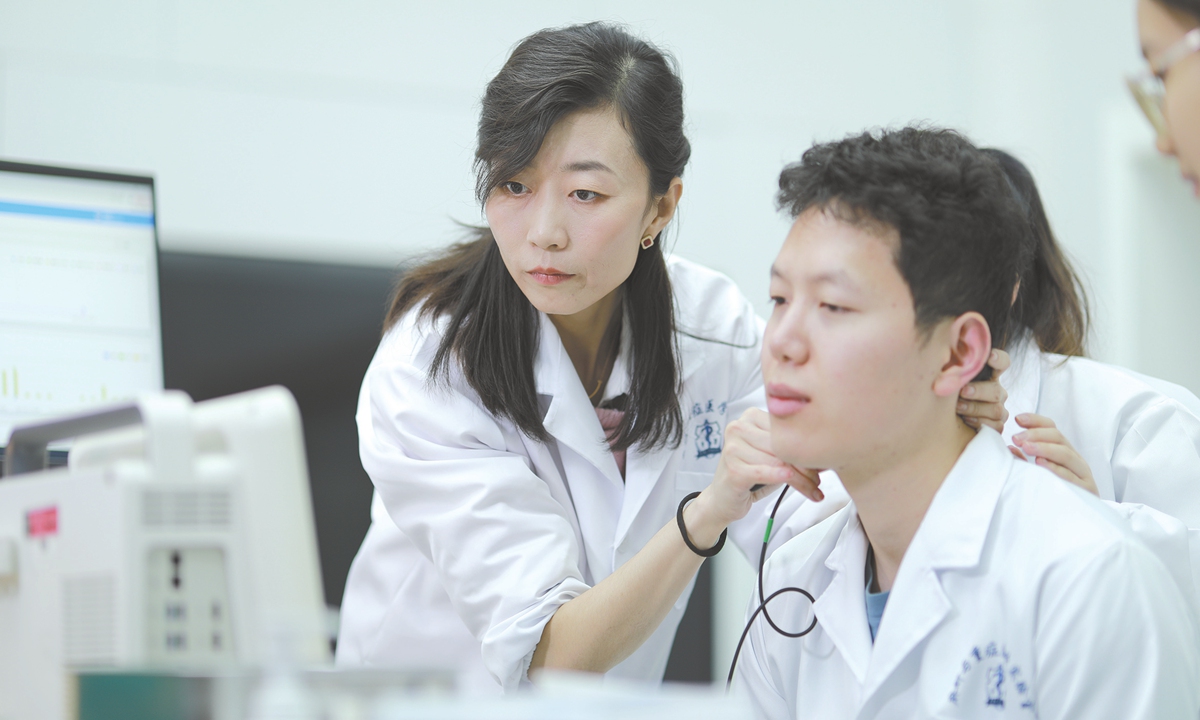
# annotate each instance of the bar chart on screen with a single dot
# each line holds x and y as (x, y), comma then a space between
(79, 323)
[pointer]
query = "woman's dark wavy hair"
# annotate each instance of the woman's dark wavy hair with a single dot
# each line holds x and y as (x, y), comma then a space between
(1191, 7)
(1051, 302)
(492, 331)
(950, 203)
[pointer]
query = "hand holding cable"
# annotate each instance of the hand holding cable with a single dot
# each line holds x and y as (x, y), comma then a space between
(603, 626)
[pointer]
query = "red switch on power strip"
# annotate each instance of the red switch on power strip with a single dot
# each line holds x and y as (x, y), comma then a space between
(42, 522)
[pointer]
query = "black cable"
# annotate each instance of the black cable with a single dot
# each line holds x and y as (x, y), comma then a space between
(762, 601)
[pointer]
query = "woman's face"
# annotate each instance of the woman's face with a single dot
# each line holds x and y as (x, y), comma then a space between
(569, 226)
(1159, 29)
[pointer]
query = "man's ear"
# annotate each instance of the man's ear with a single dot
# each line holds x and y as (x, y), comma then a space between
(970, 344)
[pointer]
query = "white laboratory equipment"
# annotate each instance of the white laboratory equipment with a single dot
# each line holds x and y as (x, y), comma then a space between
(179, 535)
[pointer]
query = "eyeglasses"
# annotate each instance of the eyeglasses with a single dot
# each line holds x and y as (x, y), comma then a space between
(1147, 86)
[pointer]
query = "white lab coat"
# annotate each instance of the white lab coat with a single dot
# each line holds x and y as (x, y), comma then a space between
(479, 533)
(1137, 436)
(1019, 596)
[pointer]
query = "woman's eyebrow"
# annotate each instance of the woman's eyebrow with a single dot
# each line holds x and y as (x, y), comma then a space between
(586, 166)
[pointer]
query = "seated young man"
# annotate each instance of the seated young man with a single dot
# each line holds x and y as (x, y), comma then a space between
(959, 581)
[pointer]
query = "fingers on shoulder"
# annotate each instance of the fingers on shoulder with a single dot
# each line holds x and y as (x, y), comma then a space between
(1033, 420)
(1043, 435)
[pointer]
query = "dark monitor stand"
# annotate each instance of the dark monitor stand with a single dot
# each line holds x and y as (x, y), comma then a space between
(233, 324)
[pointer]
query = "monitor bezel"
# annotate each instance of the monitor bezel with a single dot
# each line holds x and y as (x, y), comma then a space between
(62, 171)
(111, 176)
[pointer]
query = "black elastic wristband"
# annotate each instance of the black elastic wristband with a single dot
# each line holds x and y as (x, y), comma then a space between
(687, 540)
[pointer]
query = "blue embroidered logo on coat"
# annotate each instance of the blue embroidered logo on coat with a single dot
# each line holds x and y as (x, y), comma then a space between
(1001, 678)
(708, 439)
(995, 685)
(708, 436)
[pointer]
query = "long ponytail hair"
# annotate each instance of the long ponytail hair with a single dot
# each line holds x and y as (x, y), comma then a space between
(1051, 301)
(492, 329)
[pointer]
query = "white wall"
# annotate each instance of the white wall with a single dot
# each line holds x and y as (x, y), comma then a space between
(343, 131)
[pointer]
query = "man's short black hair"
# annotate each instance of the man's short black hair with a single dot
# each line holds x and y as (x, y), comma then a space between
(959, 223)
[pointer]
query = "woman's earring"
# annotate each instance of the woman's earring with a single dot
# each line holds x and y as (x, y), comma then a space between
(647, 242)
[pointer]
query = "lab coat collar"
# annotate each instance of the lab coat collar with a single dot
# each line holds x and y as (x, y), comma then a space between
(1023, 381)
(570, 418)
(551, 377)
(951, 536)
(841, 609)
(644, 468)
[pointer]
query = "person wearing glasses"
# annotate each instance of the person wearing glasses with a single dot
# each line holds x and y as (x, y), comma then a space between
(1169, 91)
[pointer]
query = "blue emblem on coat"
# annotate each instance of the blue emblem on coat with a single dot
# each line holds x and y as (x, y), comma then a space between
(706, 420)
(1000, 677)
(708, 439)
(995, 685)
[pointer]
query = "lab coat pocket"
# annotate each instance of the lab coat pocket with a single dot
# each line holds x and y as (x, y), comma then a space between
(687, 483)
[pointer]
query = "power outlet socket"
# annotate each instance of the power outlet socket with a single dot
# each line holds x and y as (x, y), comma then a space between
(188, 610)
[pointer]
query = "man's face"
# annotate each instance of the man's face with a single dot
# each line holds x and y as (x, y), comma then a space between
(848, 373)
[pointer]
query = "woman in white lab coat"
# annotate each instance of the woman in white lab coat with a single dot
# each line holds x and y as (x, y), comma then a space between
(548, 395)
(1130, 439)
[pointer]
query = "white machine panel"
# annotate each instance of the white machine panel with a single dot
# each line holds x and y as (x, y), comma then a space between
(184, 542)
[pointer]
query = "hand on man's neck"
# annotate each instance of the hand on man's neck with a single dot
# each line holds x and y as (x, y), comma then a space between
(893, 488)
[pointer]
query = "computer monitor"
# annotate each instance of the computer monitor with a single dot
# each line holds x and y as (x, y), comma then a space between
(79, 307)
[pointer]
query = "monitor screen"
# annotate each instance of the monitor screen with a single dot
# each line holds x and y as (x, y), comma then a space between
(79, 313)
